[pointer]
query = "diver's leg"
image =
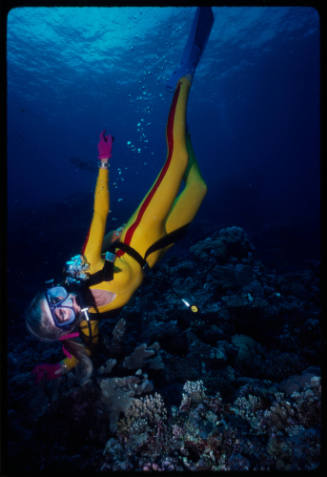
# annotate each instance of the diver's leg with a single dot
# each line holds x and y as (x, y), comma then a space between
(189, 200)
(147, 224)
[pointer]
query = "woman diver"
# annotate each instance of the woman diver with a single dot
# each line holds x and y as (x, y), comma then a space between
(95, 283)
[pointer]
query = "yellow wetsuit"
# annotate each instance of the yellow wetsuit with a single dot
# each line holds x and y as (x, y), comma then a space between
(161, 211)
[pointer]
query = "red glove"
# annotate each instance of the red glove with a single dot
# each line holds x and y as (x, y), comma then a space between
(50, 371)
(105, 145)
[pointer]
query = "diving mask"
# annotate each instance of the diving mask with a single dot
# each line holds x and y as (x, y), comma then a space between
(61, 306)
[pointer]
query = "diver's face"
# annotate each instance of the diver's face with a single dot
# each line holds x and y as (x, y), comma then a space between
(62, 313)
(67, 313)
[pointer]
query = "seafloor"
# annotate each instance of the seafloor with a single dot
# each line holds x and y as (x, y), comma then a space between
(235, 386)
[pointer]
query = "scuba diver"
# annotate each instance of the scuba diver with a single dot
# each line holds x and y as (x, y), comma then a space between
(111, 267)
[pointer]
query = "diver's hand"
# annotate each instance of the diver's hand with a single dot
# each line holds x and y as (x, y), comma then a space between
(105, 146)
(116, 234)
(47, 371)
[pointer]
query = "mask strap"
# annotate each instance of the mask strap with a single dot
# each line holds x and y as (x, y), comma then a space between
(68, 336)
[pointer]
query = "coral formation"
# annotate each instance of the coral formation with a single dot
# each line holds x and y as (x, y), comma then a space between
(117, 394)
(233, 387)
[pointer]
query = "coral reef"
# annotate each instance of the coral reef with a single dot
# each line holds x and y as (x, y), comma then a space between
(233, 387)
(117, 394)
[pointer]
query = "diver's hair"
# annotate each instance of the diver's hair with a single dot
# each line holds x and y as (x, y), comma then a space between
(81, 353)
(38, 323)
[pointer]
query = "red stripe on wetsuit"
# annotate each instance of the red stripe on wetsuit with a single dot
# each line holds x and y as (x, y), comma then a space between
(146, 202)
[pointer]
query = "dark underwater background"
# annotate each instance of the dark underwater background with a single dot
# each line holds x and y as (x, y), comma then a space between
(254, 119)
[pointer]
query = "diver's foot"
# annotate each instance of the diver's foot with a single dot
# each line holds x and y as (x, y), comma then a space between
(195, 45)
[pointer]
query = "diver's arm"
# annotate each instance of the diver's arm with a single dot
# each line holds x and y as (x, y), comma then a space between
(93, 243)
(47, 371)
(77, 351)
(53, 371)
(111, 237)
(74, 351)
(68, 363)
(92, 246)
(107, 240)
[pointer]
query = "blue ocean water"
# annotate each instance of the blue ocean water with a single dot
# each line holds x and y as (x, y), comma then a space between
(253, 115)
(251, 349)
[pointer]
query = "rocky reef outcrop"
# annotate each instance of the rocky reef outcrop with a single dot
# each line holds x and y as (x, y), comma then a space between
(233, 385)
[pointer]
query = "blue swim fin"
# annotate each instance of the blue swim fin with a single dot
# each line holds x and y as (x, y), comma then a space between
(195, 44)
